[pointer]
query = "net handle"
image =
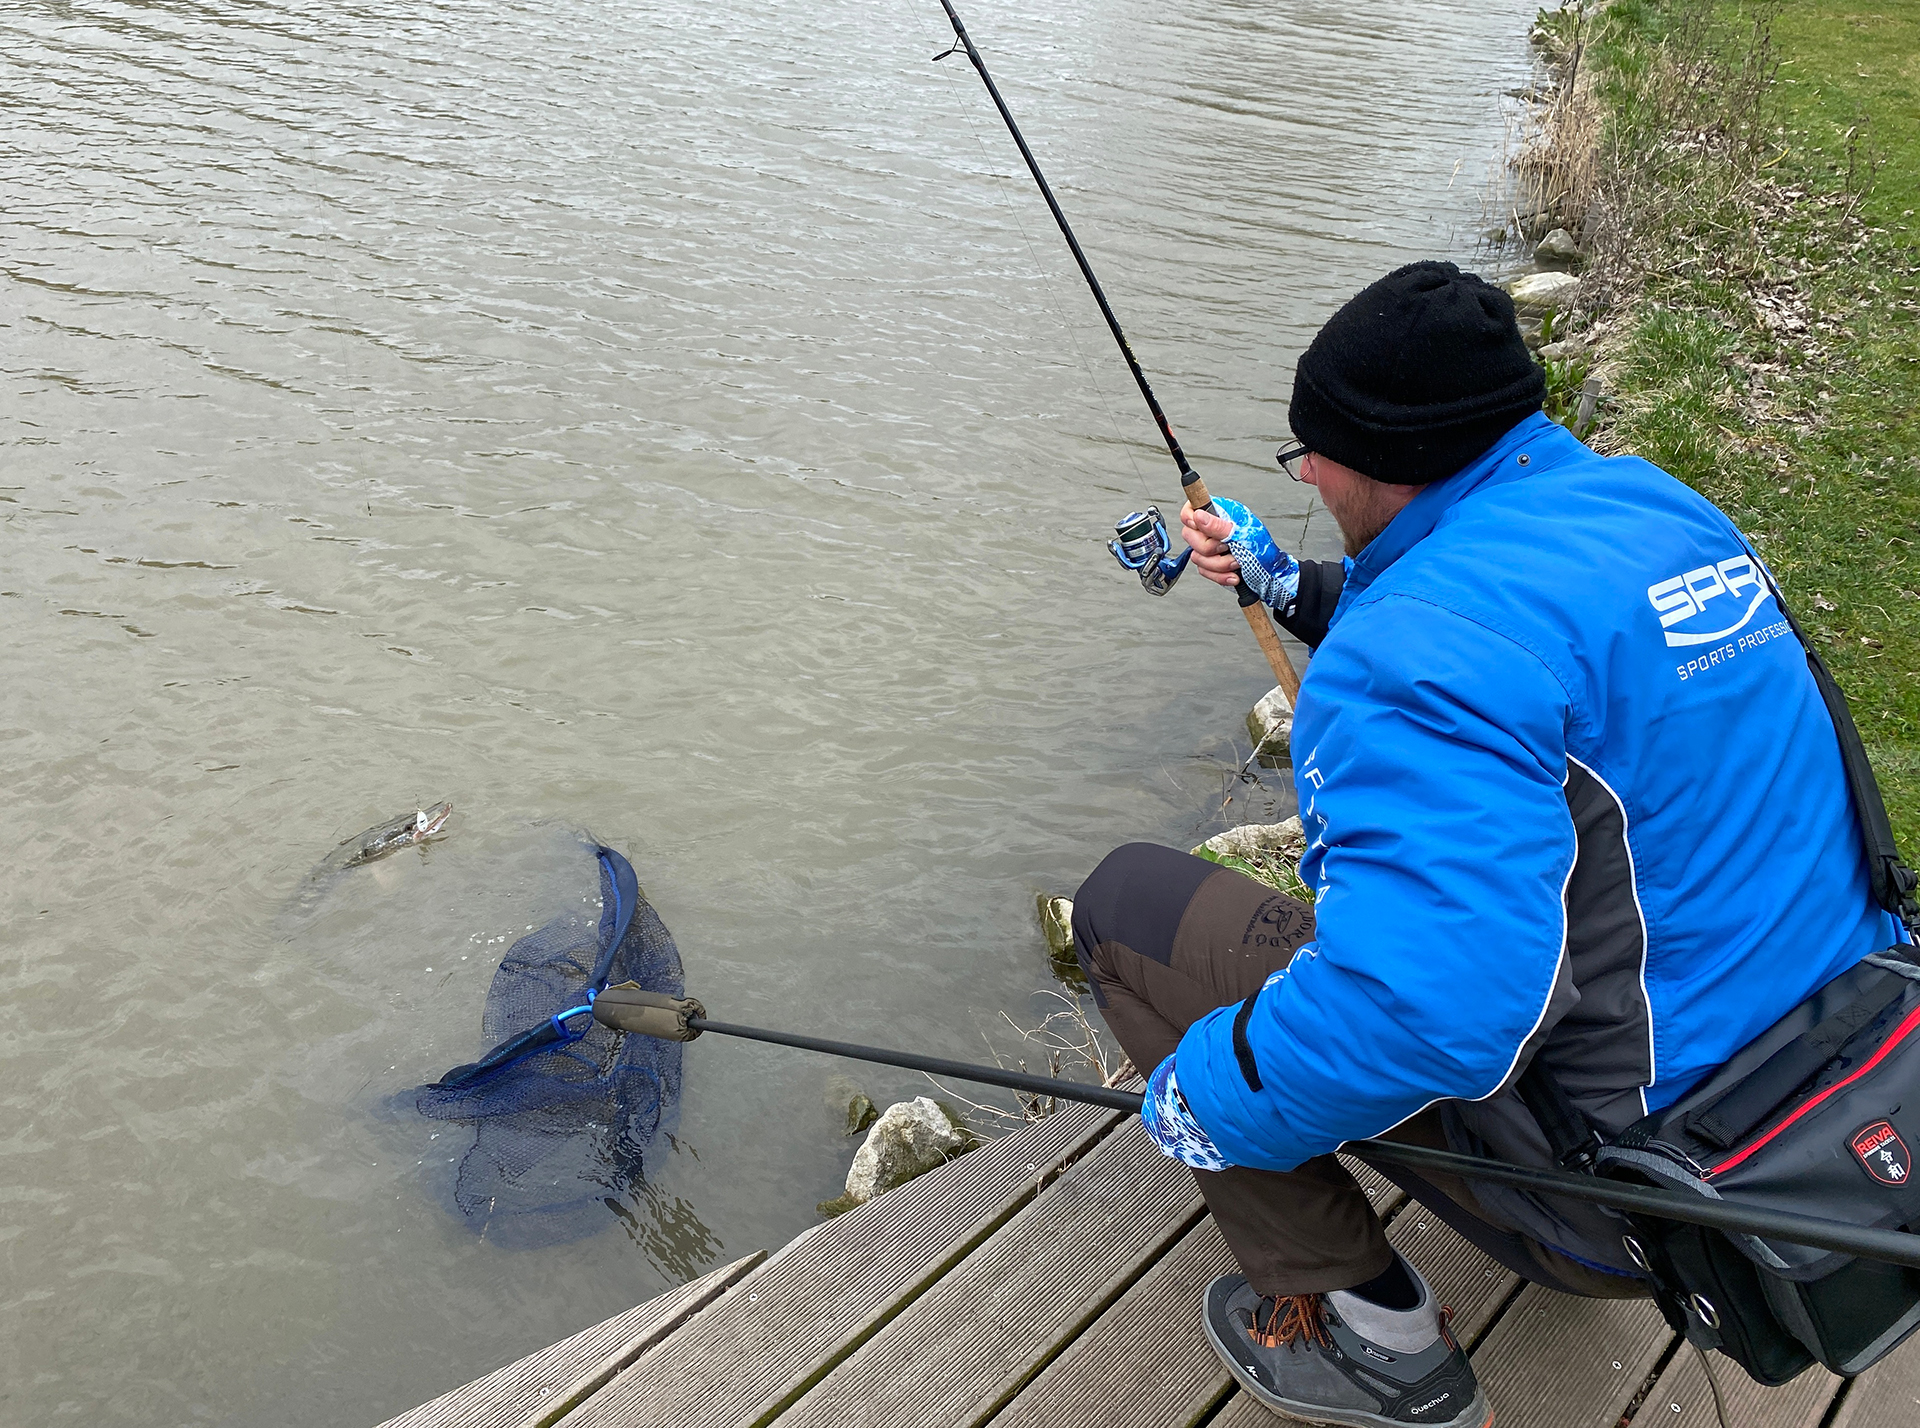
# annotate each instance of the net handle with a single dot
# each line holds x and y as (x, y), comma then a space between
(624, 889)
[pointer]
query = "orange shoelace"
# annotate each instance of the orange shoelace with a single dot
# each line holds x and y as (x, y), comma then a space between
(1292, 1318)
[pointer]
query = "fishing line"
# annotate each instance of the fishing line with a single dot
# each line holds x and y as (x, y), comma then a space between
(1050, 294)
(1239, 777)
(1141, 543)
(1054, 306)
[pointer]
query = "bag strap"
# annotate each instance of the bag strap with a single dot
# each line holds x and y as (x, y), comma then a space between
(1570, 1135)
(1893, 881)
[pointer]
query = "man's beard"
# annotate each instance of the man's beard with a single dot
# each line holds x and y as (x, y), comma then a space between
(1365, 509)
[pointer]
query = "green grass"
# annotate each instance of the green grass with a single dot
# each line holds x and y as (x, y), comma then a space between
(1856, 67)
(1769, 351)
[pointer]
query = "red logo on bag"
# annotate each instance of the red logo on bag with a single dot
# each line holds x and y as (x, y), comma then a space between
(1880, 1149)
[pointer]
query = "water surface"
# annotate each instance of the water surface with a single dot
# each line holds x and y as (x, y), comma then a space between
(673, 422)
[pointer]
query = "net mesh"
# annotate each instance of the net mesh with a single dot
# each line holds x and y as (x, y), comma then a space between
(562, 1135)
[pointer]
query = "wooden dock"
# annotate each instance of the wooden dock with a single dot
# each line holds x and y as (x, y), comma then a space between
(1053, 1278)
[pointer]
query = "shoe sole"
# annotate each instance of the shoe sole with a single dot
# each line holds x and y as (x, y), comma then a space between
(1479, 1413)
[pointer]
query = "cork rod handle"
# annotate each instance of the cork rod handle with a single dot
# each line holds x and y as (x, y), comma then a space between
(1263, 631)
(1258, 620)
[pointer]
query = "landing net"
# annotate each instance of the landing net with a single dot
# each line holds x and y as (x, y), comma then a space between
(564, 1112)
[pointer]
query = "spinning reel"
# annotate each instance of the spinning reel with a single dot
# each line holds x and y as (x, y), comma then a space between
(1140, 544)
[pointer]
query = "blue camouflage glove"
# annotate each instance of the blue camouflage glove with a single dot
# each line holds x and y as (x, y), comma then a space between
(1171, 1126)
(1265, 569)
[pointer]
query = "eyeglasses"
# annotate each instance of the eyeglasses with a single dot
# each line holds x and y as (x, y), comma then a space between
(1290, 458)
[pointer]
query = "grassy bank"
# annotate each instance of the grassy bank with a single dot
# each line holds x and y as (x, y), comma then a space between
(1754, 300)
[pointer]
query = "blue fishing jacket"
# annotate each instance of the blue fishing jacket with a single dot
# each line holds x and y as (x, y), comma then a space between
(1569, 790)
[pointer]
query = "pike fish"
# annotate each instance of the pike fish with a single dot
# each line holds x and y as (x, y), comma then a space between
(419, 827)
(390, 837)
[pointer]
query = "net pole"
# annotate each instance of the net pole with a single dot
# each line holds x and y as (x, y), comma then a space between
(1731, 1216)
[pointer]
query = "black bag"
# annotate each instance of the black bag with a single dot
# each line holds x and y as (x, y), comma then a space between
(1816, 1116)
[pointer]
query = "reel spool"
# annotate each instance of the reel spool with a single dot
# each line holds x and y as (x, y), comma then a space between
(1140, 544)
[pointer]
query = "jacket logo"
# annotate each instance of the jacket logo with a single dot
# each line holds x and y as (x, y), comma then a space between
(1879, 1148)
(1686, 595)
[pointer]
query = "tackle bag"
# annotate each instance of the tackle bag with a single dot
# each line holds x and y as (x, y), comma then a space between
(1819, 1115)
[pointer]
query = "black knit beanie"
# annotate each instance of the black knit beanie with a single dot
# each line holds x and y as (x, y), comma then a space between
(1415, 377)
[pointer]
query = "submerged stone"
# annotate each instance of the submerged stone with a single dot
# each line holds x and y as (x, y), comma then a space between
(1270, 726)
(861, 1113)
(912, 1138)
(845, 1099)
(1056, 923)
(1056, 920)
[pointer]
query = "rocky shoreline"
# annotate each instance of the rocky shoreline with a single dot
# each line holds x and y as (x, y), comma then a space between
(913, 1137)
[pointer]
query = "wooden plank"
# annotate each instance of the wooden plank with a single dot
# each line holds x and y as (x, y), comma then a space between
(1683, 1399)
(1382, 1193)
(1555, 1361)
(1145, 1363)
(982, 1332)
(537, 1389)
(1886, 1394)
(791, 1320)
(1243, 1411)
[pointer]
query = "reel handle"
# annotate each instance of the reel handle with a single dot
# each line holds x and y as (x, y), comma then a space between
(1258, 620)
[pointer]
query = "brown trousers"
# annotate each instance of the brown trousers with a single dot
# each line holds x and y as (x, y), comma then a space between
(1164, 939)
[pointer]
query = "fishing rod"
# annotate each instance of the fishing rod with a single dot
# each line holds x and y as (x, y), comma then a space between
(631, 1009)
(1140, 540)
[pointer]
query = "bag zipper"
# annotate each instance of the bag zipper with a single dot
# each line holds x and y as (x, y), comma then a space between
(1900, 1033)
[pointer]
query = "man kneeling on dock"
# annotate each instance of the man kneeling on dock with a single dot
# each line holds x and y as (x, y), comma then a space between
(1563, 802)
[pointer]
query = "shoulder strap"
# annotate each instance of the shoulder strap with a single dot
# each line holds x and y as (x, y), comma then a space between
(1570, 1135)
(1892, 880)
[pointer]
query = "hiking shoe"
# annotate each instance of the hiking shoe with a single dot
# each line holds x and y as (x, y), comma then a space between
(1338, 1358)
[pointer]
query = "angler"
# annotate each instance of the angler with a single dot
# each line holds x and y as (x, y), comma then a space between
(1602, 882)
(1582, 898)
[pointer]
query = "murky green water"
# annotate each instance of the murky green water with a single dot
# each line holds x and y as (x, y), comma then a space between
(665, 420)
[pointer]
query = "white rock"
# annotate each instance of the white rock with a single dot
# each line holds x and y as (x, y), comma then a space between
(1557, 247)
(1270, 725)
(1566, 350)
(1257, 842)
(1542, 292)
(1056, 921)
(910, 1139)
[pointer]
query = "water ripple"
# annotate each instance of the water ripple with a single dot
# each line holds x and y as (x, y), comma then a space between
(677, 421)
